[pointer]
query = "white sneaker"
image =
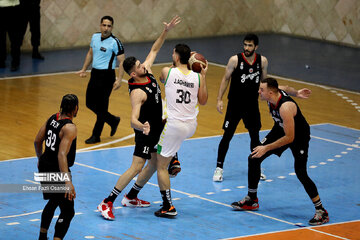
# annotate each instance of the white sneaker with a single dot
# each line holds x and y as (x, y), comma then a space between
(134, 202)
(262, 175)
(106, 210)
(218, 175)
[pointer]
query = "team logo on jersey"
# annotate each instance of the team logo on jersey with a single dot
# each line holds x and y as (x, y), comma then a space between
(154, 85)
(149, 90)
(251, 70)
(242, 65)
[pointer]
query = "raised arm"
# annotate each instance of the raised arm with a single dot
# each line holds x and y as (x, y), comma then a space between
(232, 63)
(159, 42)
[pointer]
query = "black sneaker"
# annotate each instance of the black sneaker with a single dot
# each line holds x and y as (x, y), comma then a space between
(169, 213)
(321, 216)
(114, 127)
(246, 204)
(92, 140)
(174, 167)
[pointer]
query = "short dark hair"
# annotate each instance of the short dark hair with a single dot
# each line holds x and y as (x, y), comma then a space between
(271, 83)
(69, 103)
(252, 37)
(184, 52)
(107, 18)
(128, 64)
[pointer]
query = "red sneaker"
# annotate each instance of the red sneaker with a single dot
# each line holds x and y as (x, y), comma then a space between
(126, 202)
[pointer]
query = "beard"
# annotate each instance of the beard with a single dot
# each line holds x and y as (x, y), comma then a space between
(145, 73)
(248, 53)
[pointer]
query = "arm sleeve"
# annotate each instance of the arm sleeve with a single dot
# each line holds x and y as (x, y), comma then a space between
(119, 48)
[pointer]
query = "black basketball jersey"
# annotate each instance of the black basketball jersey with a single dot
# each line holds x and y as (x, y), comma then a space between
(302, 128)
(49, 160)
(245, 80)
(151, 110)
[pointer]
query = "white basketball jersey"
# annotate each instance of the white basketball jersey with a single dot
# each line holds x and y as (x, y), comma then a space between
(181, 91)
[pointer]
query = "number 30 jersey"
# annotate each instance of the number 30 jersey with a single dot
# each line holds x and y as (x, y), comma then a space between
(181, 91)
(49, 160)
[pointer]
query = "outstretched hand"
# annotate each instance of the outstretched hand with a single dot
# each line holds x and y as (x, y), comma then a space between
(304, 93)
(172, 23)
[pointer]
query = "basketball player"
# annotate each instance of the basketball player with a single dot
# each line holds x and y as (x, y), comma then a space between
(184, 89)
(59, 134)
(245, 70)
(290, 130)
(146, 119)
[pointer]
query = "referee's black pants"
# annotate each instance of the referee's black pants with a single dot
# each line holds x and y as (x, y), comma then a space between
(97, 98)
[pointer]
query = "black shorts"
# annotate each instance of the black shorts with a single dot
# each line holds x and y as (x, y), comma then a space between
(249, 114)
(51, 190)
(299, 146)
(145, 144)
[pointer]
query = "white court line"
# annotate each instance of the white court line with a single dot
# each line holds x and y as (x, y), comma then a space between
(20, 215)
(190, 139)
(105, 144)
(295, 229)
(337, 142)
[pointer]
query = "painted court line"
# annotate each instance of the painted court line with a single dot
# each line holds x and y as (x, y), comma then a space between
(290, 230)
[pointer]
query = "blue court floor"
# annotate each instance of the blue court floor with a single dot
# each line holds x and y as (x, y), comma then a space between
(203, 206)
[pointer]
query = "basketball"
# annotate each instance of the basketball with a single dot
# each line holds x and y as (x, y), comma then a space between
(195, 60)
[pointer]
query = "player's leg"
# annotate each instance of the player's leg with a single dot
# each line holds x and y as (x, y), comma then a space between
(106, 206)
(46, 217)
(131, 199)
(67, 213)
(300, 153)
(231, 121)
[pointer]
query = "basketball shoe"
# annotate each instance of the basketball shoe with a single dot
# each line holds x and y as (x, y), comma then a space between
(106, 210)
(174, 167)
(167, 213)
(246, 204)
(126, 202)
(321, 216)
(218, 175)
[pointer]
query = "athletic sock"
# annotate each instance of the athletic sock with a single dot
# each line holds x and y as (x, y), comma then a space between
(220, 165)
(113, 195)
(318, 205)
(252, 193)
(166, 197)
(134, 191)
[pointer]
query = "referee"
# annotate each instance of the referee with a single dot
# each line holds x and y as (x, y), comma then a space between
(104, 47)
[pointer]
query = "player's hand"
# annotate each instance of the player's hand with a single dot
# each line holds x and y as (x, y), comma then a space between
(70, 193)
(259, 151)
(204, 68)
(117, 84)
(172, 23)
(220, 106)
(81, 73)
(303, 93)
(146, 128)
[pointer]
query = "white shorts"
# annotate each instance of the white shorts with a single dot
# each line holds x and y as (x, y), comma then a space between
(173, 134)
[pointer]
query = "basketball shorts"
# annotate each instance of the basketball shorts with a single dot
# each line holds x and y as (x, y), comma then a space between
(173, 134)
